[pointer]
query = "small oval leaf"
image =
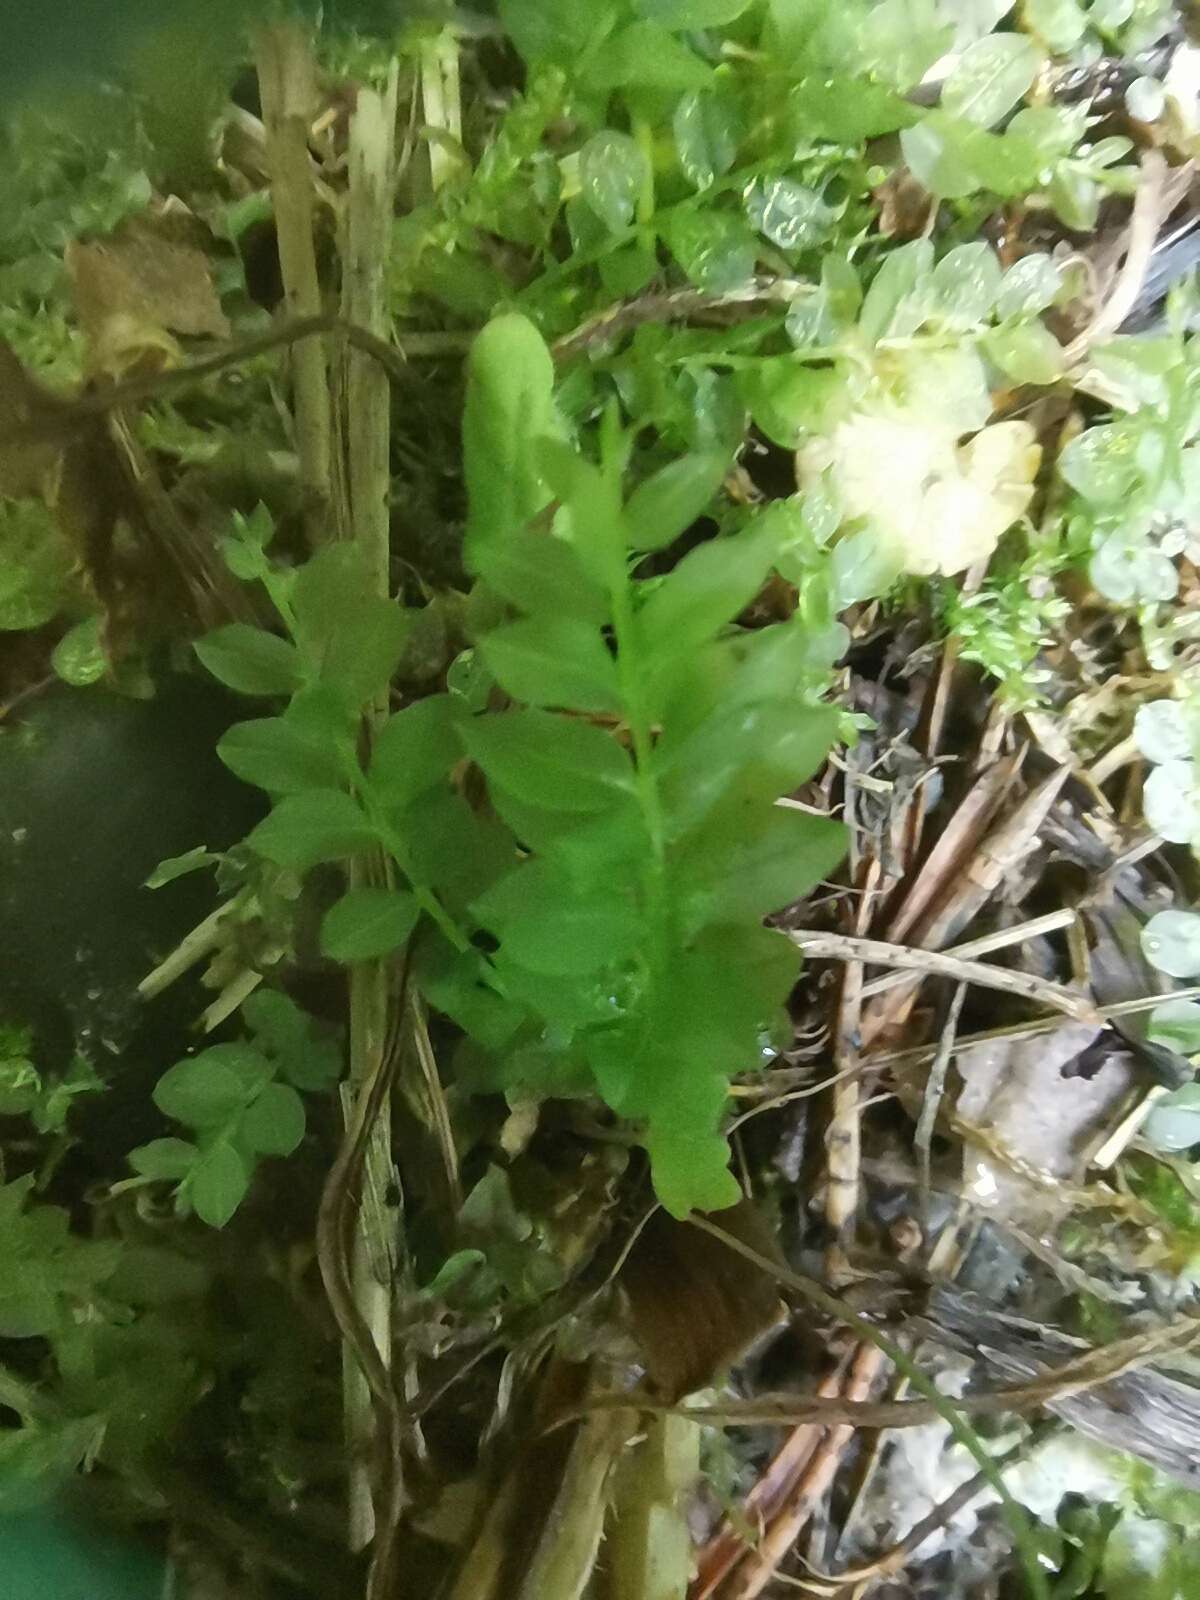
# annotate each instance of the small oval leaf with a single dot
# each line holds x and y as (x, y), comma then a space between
(250, 660)
(218, 1184)
(368, 923)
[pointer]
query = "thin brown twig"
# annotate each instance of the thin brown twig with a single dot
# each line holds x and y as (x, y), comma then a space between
(721, 1554)
(898, 1555)
(762, 1562)
(931, 1099)
(672, 305)
(1090, 1370)
(64, 413)
(1143, 234)
(987, 944)
(335, 1220)
(932, 963)
(957, 843)
(843, 1154)
(918, 1055)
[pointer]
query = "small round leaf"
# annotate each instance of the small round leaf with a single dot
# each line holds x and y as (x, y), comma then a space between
(1171, 801)
(1171, 942)
(274, 1124)
(1164, 732)
(1174, 1123)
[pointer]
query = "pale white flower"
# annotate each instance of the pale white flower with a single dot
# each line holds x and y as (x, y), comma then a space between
(935, 505)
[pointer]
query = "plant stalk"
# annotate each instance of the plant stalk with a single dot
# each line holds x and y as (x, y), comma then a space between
(364, 516)
(287, 82)
(441, 101)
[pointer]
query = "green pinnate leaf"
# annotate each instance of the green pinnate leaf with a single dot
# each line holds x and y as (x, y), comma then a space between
(789, 400)
(716, 249)
(846, 110)
(954, 158)
(544, 924)
(368, 923)
(285, 1034)
(708, 588)
(758, 750)
(691, 1170)
(900, 39)
(251, 660)
(899, 298)
(720, 992)
(456, 848)
(509, 406)
(319, 825)
(1060, 24)
(645, 55)
(691, 13)
(670, 500)
(556, 30)
(206, 1078)
(553, 661)
(280, 755)
(1075, 195)
(350, 636)
(415, 750)
(790, 214)
(203, 1093)
(539, 573)
(966, 283)
(549, 761)
(744, 868)
(574, 939)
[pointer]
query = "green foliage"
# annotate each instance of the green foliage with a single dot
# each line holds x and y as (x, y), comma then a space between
(1004, 624)
(239, 1103)
(577, 843)
(1168, 736)
(655, 888)
(35, 567)
(629, 876)
(1137, 477)
(46, 1274)
(25, 1092)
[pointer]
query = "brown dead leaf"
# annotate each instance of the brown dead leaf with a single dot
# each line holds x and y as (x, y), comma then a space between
(904, 205)
(695, 1305)
(136, 287)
